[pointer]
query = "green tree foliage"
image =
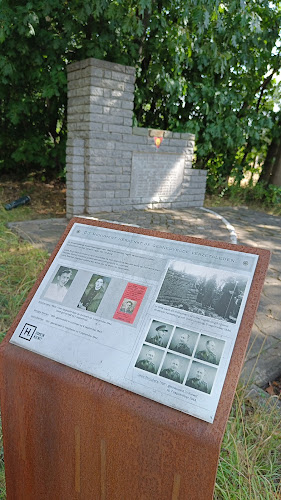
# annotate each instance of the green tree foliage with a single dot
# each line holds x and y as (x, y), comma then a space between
(202, 66)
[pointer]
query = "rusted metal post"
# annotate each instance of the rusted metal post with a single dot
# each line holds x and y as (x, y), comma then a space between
(68, 435)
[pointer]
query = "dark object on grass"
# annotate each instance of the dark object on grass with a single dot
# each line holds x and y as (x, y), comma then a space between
(17, 203)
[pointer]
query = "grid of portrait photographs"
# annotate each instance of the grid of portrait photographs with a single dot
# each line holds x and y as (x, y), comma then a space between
(181, 355)
(203, 290)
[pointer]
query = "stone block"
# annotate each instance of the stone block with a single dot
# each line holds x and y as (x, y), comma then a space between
(128, 122)
(109, 194)
(100, 145)
(140, 206)
(126, 113)
(95, 92)
(95, 126)
(124, 155)
(92, 178)
(106, 83)
(112, 177)
(181, 144)
(168, 134)
(72, 127)
(127, 105)
(161, 205)
(107, 65)
(111, 136)
(188, 137)
(98, 208)
(77, 84)
(107, 186)
(115, 202)
(140, 131)
(74, 159)
(125, 178)
(108, 74)
(192, 172)
(93, 71)
(123, 78)
(115, 120)
(97, 158)
(71, 93)
(73, 211)
(122, 95)
(73, 66)
(74, 177)
(78, 101)
(153, 132)
(76, 194)
(94, 195)
(81, 126)
(123, 129)
(74, 142)
(95, 169)
(128, 87)
(77, 185)
(122, 193)
(125, 147)
(75, 168)
(134, 139)
(125, 162)
(94, 108)
(130, 70)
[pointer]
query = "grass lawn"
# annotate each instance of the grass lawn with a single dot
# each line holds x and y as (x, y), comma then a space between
(250, 460)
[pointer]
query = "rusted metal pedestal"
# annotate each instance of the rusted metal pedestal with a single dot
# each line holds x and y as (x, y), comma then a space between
(68, 435)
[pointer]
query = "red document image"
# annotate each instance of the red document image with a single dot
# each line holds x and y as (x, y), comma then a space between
(130, 303)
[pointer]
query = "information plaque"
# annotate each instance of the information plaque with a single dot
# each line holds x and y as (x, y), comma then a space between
(155, 314)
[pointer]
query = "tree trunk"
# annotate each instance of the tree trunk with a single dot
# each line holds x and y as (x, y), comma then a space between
(271, 172)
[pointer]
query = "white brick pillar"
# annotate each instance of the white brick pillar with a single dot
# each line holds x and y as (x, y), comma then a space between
(100, 110)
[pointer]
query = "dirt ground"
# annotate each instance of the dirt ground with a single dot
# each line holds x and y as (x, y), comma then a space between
(47, 199)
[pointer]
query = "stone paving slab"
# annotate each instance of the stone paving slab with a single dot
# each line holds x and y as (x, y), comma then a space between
(45, 233)
(257, 229)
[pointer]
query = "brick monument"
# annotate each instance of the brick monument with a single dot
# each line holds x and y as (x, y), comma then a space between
(113, 166)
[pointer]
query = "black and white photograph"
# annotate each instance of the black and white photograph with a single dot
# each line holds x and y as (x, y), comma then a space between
(203, 290)
(149, 359)
(94, 293)
(61, 283)
(128, 306)
(159, 333)
(174, 367)
(183, 341)
(209, 349)
(201, 377)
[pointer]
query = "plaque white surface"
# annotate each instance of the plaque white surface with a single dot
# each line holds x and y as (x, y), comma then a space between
(155, 316)
(157, 176)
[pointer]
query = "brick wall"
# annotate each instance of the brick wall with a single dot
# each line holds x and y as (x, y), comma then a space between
(104, 151)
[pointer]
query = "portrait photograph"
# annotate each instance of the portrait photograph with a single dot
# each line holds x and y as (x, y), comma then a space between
(159, 333)
(149, 359)
(174, 367)
(209, 349)
(60, 284)
(128, 306)
(203, 290)
(201, 377)
(183, 341)
(94, 293)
